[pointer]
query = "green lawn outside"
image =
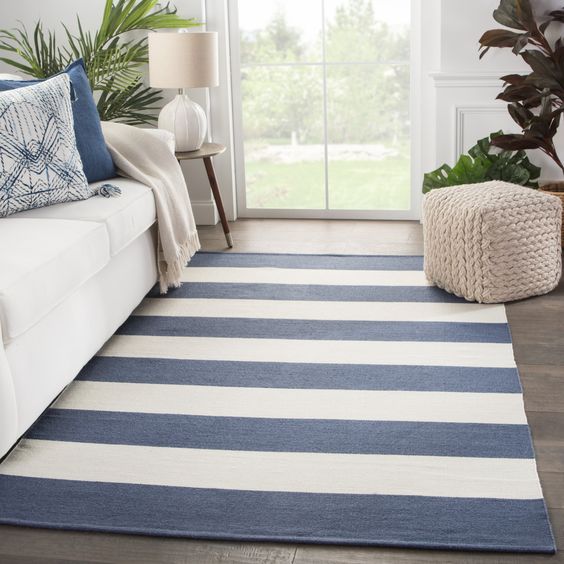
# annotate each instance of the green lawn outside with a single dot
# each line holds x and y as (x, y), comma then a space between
(353, 184)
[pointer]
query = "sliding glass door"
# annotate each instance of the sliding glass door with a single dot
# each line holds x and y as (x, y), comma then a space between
(322, 106)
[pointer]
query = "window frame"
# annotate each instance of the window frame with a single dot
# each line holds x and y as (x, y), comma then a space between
(413, 213)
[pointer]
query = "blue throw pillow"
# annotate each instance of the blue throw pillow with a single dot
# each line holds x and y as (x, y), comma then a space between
(39, 160)
(96, 159)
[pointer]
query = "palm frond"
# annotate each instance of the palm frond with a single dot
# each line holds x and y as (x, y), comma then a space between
(118, 66)
(135, 106)
(38, 54)
(80, 46)
(114, 63)
(130, 15)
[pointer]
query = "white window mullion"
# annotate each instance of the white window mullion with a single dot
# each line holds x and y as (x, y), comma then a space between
(325, 116)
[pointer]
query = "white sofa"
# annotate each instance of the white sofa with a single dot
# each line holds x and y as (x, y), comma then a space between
(70, 274)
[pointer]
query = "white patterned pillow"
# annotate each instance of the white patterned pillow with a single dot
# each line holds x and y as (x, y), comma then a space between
(39, 161)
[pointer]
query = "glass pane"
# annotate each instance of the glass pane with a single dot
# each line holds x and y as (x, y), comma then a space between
(368, 137)
(280, 31)
(366, 44)
(367, 30)
(283, 136)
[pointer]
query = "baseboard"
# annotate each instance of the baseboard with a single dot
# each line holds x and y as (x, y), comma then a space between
(205, 212)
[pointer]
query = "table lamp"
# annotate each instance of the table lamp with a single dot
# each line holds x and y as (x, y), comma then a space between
(183, 60)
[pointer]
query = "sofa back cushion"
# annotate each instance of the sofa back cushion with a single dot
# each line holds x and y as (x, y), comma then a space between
(39, 161)
(96, 159)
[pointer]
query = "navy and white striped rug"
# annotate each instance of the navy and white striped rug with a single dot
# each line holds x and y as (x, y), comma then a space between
(317, 399)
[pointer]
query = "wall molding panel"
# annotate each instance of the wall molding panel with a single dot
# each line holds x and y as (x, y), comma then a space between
(466, 118)
(470, 79)
(467, 110)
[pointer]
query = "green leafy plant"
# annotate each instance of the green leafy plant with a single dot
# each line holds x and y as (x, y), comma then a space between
(113, 56)
(536, 99)
(482, 163)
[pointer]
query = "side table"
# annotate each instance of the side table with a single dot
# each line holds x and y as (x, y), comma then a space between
(206, 152)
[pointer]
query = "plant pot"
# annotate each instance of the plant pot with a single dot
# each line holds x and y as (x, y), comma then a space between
(556, 189)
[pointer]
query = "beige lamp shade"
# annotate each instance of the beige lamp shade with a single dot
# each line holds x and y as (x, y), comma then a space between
(183, 60)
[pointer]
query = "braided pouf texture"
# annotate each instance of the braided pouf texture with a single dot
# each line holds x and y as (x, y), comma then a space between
(492, 242)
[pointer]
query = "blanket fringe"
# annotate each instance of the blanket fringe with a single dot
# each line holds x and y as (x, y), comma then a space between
(170, 273)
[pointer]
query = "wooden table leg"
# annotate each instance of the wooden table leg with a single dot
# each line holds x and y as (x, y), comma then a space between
(218, 202)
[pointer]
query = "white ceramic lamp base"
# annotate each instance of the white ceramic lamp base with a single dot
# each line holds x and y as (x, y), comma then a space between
(187, 120)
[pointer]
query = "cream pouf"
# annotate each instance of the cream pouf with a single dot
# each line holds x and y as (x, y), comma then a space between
(492, 242)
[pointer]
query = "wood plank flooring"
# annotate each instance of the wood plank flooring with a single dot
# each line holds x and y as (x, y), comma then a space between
(537, 326)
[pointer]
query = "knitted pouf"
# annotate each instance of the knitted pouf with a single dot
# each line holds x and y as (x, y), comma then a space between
(492, 242)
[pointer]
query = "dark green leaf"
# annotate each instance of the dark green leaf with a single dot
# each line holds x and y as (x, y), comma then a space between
(521, 43)
(525, 14)
(484, 162)
(502, 38)
(515, 141)
(540, 63)
(506, 14)
(514, 79)
(527, 94)
(520, 114)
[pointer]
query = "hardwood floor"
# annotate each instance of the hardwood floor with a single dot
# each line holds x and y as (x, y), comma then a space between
(537, 326)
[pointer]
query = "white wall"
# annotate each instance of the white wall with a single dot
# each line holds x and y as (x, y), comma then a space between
(463, 24)
(52, 12)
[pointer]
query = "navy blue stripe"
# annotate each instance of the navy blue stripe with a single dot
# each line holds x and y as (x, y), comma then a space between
(331, 262)
(300, 376)
(298, 292)
(316, 330)
(374, 520)
(285, 435)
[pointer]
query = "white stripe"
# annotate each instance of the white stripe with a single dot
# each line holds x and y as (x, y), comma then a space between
(319, 310)
(494, 355)
(362, 405)
(277, 471)
(267, 275)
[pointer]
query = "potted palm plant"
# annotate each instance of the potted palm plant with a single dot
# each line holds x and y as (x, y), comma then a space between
(114, 57)
(535, 99)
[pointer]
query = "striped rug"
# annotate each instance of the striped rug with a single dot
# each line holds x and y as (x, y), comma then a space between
(321, 399)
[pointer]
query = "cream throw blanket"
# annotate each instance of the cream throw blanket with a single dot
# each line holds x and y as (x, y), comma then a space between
(146, 156)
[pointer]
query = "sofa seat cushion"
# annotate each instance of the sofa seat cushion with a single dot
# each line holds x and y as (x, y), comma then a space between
(125, 217)
(41, 263)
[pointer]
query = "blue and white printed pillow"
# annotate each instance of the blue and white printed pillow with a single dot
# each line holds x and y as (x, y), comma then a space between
(39, 162)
